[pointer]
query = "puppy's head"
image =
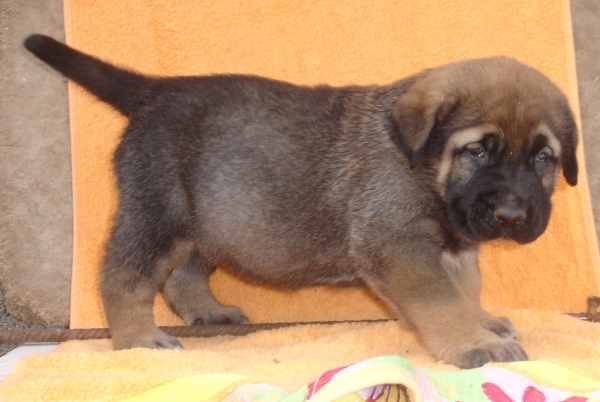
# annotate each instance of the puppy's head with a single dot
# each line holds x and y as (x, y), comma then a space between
(494, 133)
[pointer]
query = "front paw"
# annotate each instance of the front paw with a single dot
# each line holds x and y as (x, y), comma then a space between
(497, 350)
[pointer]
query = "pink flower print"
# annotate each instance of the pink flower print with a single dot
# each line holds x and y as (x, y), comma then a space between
(531, 394)
(320, 382)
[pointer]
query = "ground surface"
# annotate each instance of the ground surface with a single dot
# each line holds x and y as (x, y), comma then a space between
(35, 192)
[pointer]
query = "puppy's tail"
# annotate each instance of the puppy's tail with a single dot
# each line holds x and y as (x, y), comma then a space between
(122, 89)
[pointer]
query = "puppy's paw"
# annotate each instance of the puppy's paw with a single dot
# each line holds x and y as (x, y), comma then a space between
(501, 326)
(222, 315)
(500, 350)
(155, 339)
(166, 342)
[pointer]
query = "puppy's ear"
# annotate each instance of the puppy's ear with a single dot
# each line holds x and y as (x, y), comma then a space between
(569, 147)
(416, 114)
(569, 164)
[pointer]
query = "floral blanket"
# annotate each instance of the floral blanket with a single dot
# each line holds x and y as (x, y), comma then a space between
(392, 378)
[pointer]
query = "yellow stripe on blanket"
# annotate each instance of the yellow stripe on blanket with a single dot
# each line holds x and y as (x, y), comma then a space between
(202, 387)
(553, 375)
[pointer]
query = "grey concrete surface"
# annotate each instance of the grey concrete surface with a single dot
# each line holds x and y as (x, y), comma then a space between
(35, 169)
(586, 33)
(35, 192)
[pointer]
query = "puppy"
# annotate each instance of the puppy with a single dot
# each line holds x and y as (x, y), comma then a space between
(391, 187)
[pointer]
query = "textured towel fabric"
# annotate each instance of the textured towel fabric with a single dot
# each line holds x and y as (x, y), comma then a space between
(565, 355)
(338, 43)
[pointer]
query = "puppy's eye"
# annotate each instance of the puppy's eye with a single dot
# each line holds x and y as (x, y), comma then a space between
(544, 155)
(476, 150)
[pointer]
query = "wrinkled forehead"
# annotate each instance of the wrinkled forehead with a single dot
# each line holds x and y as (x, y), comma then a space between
(513, 102)
(517, 141)
(518, 120)
(515, 115)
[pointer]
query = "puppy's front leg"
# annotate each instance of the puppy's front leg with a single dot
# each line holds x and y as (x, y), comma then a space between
(414, 283)
(463, 267)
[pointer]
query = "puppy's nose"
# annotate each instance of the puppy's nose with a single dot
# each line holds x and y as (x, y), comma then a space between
(509, 215)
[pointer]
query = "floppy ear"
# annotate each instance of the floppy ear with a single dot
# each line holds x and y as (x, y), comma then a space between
(569, 163)
(569, 148)
(416, 114)
(570, 168)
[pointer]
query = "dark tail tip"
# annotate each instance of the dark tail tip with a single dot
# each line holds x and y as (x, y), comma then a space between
(115, 86)
(40, 44)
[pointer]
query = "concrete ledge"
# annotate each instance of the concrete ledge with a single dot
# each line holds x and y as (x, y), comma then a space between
(35, 196)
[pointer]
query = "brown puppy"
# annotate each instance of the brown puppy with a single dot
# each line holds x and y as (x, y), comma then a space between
(392, 187)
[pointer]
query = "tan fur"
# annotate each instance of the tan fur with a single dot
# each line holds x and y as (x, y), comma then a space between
(457, 141)
(128, 298)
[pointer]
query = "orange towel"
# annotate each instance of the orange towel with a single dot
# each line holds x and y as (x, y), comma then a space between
(312, 42)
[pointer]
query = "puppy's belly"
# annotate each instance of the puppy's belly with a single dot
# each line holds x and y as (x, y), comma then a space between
(276, 254)
(273, 261)
(279, 237)
(292, 277)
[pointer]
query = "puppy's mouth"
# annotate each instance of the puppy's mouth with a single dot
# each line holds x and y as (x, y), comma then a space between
(520, 234)
(483, 222)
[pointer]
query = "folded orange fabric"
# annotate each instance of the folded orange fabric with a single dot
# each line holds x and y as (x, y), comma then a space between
(312, 42)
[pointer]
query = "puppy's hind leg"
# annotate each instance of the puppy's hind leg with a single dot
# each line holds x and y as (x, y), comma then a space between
(137, 263)
(187, 294)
